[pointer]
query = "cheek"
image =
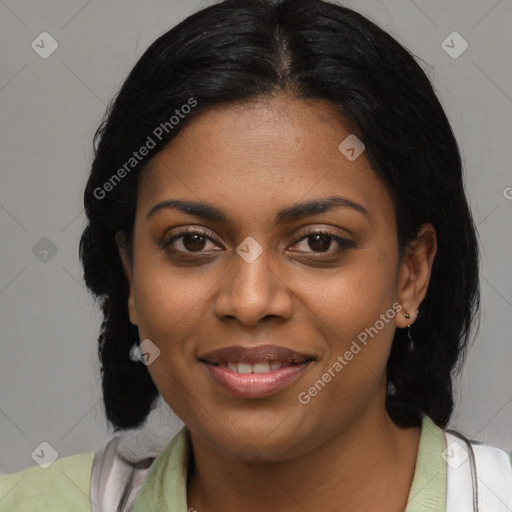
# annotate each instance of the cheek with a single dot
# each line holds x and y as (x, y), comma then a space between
(353, 296)
(169, 313)
(355, 311)
(168, 300)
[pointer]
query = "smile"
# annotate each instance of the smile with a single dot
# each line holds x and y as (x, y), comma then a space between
(256, 371)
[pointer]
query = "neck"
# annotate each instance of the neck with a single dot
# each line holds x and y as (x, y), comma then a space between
(368, 465)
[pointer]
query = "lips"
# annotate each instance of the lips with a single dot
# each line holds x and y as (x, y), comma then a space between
(253, 355)
(255, 372)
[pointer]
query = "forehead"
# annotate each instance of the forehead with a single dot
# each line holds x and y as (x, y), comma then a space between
(261, 156)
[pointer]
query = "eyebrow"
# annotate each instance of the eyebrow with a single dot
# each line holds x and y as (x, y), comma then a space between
(294, 212)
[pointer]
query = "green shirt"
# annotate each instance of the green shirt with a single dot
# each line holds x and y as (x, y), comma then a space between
(65, 485)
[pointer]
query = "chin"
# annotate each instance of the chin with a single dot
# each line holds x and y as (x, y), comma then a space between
(253, 444)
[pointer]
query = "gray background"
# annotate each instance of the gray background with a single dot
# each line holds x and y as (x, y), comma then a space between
(49, 110)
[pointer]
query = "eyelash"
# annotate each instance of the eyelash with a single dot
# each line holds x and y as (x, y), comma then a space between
(344, 243)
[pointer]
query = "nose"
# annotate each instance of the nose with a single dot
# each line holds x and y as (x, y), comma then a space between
(253, 290)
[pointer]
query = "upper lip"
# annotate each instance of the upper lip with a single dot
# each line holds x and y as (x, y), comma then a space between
(240, 354)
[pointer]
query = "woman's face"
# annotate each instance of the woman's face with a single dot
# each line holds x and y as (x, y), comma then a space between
(322, 285)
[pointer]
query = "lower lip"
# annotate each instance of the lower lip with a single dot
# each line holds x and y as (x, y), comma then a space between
(255, 385)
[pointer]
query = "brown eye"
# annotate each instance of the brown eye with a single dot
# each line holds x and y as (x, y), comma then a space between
(319, 243)
(193, 242)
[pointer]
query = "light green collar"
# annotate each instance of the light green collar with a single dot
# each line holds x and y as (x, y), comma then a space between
(165, 486)
(428, 490)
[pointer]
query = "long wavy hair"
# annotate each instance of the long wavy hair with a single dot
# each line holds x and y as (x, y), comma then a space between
(236, 51)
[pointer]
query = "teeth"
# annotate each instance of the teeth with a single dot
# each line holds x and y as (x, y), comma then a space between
(261, 367)
(244, 368)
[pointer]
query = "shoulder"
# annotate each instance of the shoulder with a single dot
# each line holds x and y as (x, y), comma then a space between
(485, 453)
(454, 472)
(113, 474)
(484, 470)
(60, 487)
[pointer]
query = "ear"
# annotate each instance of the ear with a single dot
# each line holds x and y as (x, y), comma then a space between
(127, 262)
(414, 273)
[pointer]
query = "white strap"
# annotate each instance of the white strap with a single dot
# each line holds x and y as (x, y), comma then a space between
(494, 473)
(459, 483)
(113, 481)
(479, 476)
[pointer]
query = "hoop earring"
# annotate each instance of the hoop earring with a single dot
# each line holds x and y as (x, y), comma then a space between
(410, 345)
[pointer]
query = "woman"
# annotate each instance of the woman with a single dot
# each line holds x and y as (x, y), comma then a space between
(283, 250)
